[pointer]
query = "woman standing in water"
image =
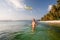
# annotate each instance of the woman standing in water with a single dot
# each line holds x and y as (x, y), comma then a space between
(34, 24)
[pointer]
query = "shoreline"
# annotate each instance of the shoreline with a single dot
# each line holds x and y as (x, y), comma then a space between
(55, 23)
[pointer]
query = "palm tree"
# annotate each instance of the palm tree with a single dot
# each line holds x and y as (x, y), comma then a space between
(54, 13)
(58, 1)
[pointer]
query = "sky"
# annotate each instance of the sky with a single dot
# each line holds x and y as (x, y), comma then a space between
(17, 9)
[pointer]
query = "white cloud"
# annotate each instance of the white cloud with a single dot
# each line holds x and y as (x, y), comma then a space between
(8, 10)
(49, 7)
(17, 3)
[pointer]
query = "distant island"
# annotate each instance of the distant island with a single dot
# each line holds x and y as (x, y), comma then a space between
(53, 14)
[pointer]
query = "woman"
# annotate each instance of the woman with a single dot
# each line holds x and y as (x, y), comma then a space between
(34, 24)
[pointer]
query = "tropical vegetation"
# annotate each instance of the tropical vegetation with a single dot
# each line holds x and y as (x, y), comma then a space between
(54, 13)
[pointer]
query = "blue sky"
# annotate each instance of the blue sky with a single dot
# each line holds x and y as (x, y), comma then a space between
(15, 9)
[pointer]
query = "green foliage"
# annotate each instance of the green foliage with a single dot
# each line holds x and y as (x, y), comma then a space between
(54, 13)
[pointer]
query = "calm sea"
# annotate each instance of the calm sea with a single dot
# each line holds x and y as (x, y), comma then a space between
(21, 30)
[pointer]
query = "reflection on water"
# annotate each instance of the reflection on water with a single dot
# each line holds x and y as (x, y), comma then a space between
(42, 32)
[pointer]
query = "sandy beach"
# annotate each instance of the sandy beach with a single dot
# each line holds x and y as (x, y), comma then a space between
(52, 23)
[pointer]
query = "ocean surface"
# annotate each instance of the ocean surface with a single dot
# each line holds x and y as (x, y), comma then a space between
(21, 30)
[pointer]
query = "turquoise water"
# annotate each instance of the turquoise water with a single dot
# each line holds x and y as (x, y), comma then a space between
(21, 30)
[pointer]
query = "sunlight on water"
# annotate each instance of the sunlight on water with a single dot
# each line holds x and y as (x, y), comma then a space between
(22, 31)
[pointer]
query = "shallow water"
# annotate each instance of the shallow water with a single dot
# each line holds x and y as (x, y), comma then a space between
(21, 30)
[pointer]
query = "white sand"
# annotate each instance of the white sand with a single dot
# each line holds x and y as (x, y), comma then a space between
(54, 21)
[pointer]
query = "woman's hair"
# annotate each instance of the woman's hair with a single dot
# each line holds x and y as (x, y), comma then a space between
(33, 19)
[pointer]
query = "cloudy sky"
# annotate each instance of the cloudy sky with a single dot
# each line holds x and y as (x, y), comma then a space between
(16, 9)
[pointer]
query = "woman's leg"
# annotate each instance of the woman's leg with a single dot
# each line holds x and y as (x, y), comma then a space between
(33, 28)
